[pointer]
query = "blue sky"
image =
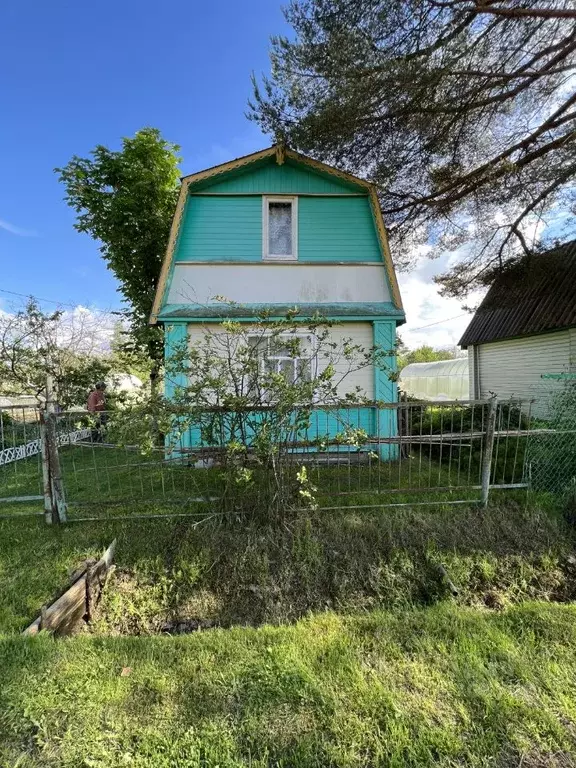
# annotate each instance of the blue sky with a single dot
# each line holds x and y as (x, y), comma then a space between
(77, 74)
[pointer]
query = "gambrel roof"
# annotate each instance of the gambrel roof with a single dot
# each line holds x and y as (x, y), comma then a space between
(282, 155)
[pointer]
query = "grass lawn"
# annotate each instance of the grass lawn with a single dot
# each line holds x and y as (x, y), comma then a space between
(335, 642)
(442, 686)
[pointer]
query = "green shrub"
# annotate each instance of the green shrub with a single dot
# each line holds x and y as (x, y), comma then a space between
(509, 451)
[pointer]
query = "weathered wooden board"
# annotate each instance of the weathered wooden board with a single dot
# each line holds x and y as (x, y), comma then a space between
(72, 605)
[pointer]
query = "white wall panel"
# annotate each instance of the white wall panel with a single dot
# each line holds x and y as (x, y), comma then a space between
(278, 283)
(514, 367)
(360, 333)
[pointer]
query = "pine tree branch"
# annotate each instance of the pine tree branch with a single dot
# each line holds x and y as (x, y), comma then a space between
(534, 13)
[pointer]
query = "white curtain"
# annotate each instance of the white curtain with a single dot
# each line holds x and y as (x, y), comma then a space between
(280, 229)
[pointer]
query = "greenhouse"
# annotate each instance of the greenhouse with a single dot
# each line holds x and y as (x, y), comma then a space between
(440, 380)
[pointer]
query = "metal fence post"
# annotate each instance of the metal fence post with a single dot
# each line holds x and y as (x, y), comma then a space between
(488, 449)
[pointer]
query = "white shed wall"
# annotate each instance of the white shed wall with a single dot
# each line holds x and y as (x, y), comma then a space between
(513, 367)
(360, 333)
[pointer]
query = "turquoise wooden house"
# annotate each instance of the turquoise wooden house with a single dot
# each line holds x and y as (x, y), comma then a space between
(276, 230)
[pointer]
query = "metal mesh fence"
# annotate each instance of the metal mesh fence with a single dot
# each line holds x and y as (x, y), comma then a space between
(358, 456)
(551, 451)
(20, 453)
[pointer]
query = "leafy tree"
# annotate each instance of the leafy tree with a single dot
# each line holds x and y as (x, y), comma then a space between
(126, 200)
(246, 411)
(423, 354)
(462, 111)
(34, 344)
(126, 357)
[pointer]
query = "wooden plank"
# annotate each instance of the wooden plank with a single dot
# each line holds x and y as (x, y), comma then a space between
(65, 611)
(59, 509)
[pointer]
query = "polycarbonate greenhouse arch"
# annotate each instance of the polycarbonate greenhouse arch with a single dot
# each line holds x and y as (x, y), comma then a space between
(440, 380)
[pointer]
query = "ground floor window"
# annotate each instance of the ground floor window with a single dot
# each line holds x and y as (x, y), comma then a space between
(292, 356)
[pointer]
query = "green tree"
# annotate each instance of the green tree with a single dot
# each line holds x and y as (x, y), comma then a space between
(423, 354)
(34, 344)
(462, 111)
(126, 357)
(126, 199)
(231, 393)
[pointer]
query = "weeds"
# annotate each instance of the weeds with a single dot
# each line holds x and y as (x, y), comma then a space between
(347, 560)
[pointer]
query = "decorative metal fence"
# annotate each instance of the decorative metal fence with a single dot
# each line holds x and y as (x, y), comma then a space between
(427, 453)
(20, 459)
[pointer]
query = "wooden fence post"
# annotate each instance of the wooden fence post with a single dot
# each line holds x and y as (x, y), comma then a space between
(59, 508)
(46, 480)
(58, 501)
(488, 449)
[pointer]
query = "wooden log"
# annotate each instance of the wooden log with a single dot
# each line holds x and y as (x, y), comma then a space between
(449, 583)
(63, 613)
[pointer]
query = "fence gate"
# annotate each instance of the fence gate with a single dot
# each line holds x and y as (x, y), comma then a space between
(29, 462)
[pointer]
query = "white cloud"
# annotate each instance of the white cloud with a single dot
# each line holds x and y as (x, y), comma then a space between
(81, 330)
(430, 318)
(14, 230)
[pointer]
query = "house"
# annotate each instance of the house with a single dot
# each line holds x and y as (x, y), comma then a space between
(525, 328)
(276, 230)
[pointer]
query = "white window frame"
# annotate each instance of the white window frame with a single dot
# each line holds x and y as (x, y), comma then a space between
(311, 357)
(266, 200)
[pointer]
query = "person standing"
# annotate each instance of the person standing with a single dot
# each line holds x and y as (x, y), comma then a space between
(96, 405)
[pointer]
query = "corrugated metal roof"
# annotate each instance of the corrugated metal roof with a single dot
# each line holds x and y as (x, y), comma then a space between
(536, 295)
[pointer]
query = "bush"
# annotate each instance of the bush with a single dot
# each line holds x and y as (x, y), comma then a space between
(509, 451)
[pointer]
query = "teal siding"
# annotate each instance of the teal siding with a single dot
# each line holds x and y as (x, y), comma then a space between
(385, 389)
(181, 435)
(223, 223)
(270, 178)
(376, 422)
(221, 229)
(229, 228)
(336, 229)
(326, 425)
(175, 334)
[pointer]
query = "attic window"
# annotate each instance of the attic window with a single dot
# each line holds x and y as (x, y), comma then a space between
(279, 228)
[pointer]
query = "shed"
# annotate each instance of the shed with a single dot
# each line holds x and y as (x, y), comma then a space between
(525, 328)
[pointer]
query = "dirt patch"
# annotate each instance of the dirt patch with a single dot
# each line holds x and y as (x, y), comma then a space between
(166, 603)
